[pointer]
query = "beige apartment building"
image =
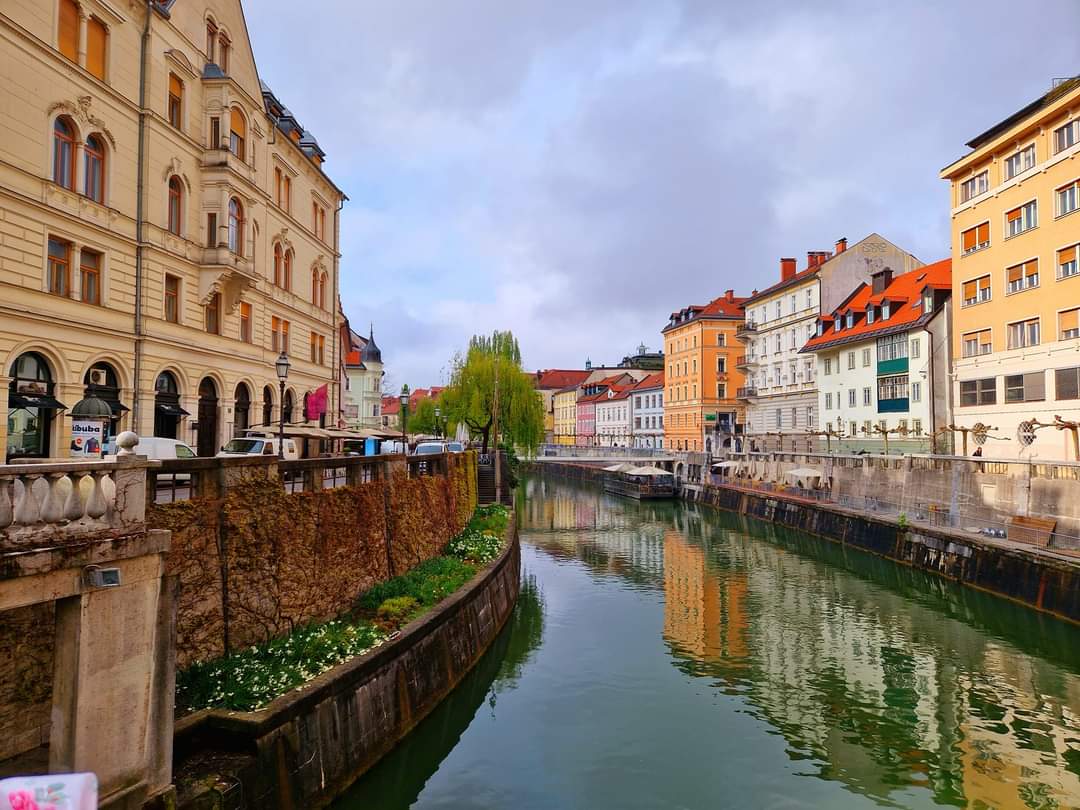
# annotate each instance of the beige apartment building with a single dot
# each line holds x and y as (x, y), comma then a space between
(166, 228)
(1016, 282)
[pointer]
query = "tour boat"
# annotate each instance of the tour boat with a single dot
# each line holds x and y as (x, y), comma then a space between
(642, 483)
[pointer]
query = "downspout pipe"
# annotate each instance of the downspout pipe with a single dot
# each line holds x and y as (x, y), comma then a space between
(336, 404)
(140, 219)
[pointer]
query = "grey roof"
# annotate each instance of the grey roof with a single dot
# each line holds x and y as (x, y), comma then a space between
(371, 353)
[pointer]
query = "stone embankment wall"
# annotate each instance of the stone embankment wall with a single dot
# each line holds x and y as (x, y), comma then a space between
(255, 561)
(308, 746)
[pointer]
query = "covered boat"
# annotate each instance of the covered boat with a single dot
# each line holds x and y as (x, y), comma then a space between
(643, 483)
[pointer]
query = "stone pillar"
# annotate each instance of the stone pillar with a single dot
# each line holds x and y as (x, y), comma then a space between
(5, 382)
(84, 19)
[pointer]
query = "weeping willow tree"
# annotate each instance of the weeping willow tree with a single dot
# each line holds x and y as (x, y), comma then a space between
(488, 390)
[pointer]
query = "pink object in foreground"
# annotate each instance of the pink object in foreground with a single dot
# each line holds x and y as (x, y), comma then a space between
(57, 791)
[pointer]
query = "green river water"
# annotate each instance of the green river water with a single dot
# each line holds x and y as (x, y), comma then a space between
(664, 655)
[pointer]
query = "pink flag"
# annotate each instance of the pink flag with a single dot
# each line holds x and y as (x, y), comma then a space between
(316, 405)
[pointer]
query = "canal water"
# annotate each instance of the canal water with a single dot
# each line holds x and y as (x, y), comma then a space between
(673, 656)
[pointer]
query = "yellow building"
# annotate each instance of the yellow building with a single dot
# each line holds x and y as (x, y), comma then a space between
(701, 412)
(549, 382)
(564, 414)
(238, 255)
(1016, 277)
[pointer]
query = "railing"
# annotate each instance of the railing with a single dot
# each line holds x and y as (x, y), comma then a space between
(746, 392)
(65, 499)
(744, 360)
(745, 328)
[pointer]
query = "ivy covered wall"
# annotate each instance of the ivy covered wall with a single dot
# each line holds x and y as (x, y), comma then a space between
(259, 561)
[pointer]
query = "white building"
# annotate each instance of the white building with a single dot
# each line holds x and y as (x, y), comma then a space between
(882, 362)
(613, 417)
(363, 382)
(647, 411)
(781, 385)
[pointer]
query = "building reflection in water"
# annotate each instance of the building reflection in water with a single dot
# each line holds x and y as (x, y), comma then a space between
(879, 677)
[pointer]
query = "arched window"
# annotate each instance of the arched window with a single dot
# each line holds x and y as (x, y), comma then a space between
(176, 197)
(267, 406)
(211, 39)
(94, 153)
(288, 407)
(237, 132)
(279, 261)
(315, 286)
(31, 407)
(286, 280)
(241, 409)
(64, 153)
(322, 290)
(223, 52)
(236, 227)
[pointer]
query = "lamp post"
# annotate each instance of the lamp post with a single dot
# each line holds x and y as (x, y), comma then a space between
(438, 429)
(281, 365)
(404, 400)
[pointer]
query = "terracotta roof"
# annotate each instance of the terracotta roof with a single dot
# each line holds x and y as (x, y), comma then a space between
(722, 307)
(652, 381)
(559, 378)
(390, 406)
(904, 293)
(802, 275)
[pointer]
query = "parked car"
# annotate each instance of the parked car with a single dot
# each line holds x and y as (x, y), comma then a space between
(158, 449)
(429, 448)
(259, 446)
(391, 446)
(352, 447)
(455, 447)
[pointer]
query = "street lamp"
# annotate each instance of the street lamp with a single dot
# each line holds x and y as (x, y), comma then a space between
(404, 400)
(438, 431)
(281, 365)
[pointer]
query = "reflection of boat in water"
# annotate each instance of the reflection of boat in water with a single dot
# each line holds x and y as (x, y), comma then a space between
(642, 483)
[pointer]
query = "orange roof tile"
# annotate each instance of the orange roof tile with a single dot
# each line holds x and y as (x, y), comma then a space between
(559, 378)
(652, 381)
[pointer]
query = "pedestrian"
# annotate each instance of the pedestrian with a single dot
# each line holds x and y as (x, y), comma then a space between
(978, 452)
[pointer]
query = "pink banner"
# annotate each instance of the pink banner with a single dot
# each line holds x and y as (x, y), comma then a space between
(316, 404)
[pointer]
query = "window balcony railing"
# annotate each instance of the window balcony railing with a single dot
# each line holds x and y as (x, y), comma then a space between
(745, 361)
(747, 392)
(745, 329)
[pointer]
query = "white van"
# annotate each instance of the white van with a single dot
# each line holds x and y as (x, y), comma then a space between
(254, 445)
(155, 447)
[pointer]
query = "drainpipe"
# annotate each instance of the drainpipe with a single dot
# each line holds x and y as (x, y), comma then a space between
(336, 304)
(140, 194)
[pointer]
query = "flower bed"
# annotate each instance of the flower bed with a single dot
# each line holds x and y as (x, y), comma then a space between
(249, 679)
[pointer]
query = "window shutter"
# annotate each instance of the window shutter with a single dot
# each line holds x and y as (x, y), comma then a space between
(1013, 215)
(969, 239)
(69, 30)
(95, 47)
(970, 290)
(1031, 267)
(236, 121)
(1016, 273)
(1070, 320)
(983, 233)
(984, 283)
(175, 87)
(1067, 255)
(984, 338)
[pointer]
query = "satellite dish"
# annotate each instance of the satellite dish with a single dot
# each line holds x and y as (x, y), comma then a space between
(1025, 433)
(979, 433)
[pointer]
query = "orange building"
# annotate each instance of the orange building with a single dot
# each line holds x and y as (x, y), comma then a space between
(701, 412)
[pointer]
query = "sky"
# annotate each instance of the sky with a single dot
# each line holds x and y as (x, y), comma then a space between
(575, 170)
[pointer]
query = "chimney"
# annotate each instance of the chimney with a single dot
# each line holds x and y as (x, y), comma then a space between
(841, 245)
(881, 280)
(787, 269)
(730, 296)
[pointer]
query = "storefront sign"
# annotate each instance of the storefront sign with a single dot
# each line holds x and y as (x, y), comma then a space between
(87, 437)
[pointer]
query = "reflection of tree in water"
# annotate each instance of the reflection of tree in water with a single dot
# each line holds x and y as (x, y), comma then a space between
(397, 780)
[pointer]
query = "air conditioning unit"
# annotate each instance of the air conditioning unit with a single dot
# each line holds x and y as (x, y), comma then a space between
(97, 376)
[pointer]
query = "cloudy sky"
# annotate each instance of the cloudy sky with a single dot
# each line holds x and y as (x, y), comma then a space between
(574, 170)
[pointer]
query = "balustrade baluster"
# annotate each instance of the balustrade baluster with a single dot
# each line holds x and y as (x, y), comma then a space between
(53, 509)
(96, 506)
(75, 506)
(7, 501)
(27, 510)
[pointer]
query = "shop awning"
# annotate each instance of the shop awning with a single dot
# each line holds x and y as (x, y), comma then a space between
(22, 400)
(170, 409)
(118, 407)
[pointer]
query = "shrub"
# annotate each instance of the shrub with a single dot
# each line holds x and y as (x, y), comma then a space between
(427, 583)
(397, 610)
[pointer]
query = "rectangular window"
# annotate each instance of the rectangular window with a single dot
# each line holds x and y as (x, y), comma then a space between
(59, 267)
(176, 100)
(914, 350)
(975, 186)
(279, 182)
(1025, 387)
(287, 195)
(809, 416)
(1069, 324)
(979, 392)
(893, 387)
(215, 133)
(852, 397)
(90, 276)
(1023, 276)
(721, 339)
(828, 365)
(867, 396)
(69, 30)
(1067, 383)
(721, 390)
(1067, 262)
(828, 401)
(850, 360)
(211, 230)
(977, 343)
(867, 428)
(892, 347)
(211, 39)
(975, 238)
(314, 347)
(1067, 135)
(976, 291)
(916, 427)
(866, 355)
(916, 392)
(245, 322)
(172, 299)
(1023, 334)
(213, 314)
(97, 37)
(1023, 218)
(1020, 162)
(721, 365)
(1067, 198)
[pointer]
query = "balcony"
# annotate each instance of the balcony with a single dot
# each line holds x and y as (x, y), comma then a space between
(745, 330)
(746, 361)
(746, 392)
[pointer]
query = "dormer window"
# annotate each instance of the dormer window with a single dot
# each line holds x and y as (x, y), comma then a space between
(927, 301)
(884, 310)
(836, 323)
(849, 319)
(869, 313)
(820, 327)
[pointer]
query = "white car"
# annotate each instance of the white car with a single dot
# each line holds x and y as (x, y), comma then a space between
(259, 446)
(429, 448)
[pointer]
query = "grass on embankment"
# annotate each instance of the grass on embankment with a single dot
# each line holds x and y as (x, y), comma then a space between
(251, 678)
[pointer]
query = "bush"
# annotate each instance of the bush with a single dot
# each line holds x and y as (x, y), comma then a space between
(427, 583)
(483, 539)
(397, 610)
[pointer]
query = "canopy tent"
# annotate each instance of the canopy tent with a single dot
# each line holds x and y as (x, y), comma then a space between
(623, 467)
(807, 474)
(653, 471)
(725, 465)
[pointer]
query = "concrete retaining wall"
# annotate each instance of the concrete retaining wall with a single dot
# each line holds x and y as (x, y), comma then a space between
(308, 746)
